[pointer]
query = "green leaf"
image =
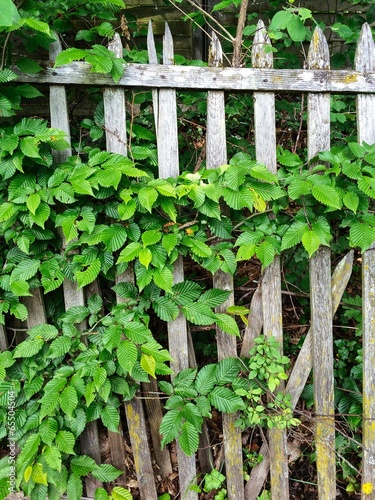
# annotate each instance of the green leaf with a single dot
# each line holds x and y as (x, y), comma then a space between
(151, 237)
(214, 297)
(38, 475)
(351, 200)
(163, 278)
(361, 235)
(74, 487)
(186, 292)
(68, 400)
(266, 253)
(41, 215)
(106, 473)
(27, 65)
(8, 13)
(227, 324)
(69, 55)
(130, 252)
(33, 202)
(294, 234)
(280, 20)
(28, 348)
(25, 270)
(145, 257)
(127, 354)
(165, 308)
(326, 195)
(311, 242)
(170, 426)
(52, 456)
(65, 441)
(89, 275)
(119, 493)
(147, 197)
(101, 494)
(148, 363)
(225, 400)
(228, 370)
(296, 29)
(83, 465)
(110, 417)
(47, 430)
(189, 439)
(199, 314)
(206, 379)
(29, 450)
(75, 314)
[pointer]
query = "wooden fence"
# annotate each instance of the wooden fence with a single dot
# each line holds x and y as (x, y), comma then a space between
(318, 81)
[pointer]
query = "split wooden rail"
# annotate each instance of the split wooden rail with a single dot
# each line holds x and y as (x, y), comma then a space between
(319, 82)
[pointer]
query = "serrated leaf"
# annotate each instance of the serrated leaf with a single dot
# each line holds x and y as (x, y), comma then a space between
(119, 493)
(110, 417)
(59, 347)
(294, 234)
(227, 324)
(75, 314)
(151, 237)
(130, 252)
(266, 253)
(199, 314)
(311, 242)
(68, 400)
(127, 354)
(101, 494)
(52, 456)
(28, 348)
(29, 450)
(106, 473)
(361, 235)
(214, 297)
(145, 257)
(65, 441)
(88, 275)
(163, 278)
(186, 292)
(47, 430)
(147, 197)
(206, 379)
(225, 400)
(148, 363)
(165, 308)
(25, 270)
(170, 426)
(38, 475)
(189, 439)
(351, 200)
(326, 195)
(74, 487)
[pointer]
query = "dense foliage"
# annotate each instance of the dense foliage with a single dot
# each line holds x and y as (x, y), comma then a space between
(110, 213)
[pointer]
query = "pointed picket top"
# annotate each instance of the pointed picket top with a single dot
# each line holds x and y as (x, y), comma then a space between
(260, 58)
(215, 52)
(365, 54)
(115, 46)
(168, 51)
(318, 56)
(151, 49)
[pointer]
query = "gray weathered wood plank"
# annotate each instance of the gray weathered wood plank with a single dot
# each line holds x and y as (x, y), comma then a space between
(318, 139)
(364, 62)
(193, 77)
(167, 144)
(72, 296)
(216, 155)
(265, 150)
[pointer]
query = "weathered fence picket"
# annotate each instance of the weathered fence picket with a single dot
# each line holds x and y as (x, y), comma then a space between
(365, 62)
(216, 155)
(318, 139)
(266, 309)
(72, 295)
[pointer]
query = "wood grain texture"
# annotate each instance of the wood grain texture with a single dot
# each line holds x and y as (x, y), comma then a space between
(204, 78)
(265, 150)
(318, 139)
(254, 322)
(216, 155)
(365, 61)
(167, 144)
(4, 345)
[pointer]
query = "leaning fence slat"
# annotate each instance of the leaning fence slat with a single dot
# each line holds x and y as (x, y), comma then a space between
(365, 62)
(301, 370)
(254, 322)
(318, 139)
(167, 143)
(72, 296)
(216, 155)
(265, 148)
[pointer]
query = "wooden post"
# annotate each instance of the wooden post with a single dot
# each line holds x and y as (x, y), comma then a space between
(216, 155)
(365, 62)
(167, 142)
(318, 139)
(265, 148)
(72, 296)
